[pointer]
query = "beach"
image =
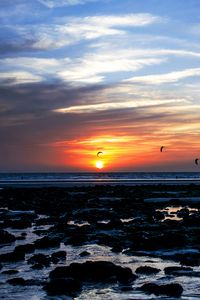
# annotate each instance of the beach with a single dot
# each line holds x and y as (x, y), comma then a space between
(100, 241)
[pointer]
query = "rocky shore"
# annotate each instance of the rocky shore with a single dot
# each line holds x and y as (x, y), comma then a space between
(88, 242)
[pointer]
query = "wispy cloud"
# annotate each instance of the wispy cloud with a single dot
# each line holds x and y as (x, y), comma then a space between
(60, 3)
(70, 30)
(116, 105)
(18, 77)
(165, 78)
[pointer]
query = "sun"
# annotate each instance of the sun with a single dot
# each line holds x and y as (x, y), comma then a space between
(99, 164)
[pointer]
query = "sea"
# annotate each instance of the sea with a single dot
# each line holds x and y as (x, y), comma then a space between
(96, 178)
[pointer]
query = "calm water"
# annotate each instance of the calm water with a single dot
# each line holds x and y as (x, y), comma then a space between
(101, 176)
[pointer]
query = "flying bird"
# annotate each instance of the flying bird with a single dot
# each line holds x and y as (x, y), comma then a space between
(196, 161)
(161, 148)
(98, 153)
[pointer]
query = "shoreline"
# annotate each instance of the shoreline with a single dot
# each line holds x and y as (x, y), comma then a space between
(113, 182)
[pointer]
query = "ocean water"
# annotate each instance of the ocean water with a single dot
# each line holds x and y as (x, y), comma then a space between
(104, 177)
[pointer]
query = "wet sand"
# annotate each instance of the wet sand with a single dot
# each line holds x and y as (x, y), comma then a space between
(138, 241)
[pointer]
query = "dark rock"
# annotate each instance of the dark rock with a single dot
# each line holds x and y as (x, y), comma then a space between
(17, 281)
(94, 271)
(63, 286)
(126, 288)
(84, 253)
(117, 248)
(184, 212)
(10, 272)
(27, 248)
(147, 270)
(172, 289)
(22, 223)
(158, 215)
(23, 282)
(12, 256)
(58, 256)
(189, 259)
(6, 237)
(178, 271)
(47, 242)
(39, 259)
(192, 220)
(37, 266)
(77, 239)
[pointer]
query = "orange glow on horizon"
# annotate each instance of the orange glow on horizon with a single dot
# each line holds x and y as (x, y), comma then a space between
(126, 152)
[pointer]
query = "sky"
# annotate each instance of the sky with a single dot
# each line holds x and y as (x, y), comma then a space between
(82, 76)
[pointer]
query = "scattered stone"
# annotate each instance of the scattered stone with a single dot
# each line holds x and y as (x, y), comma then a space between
(58, 256)
(39, 259)
(147, 270)
(6, 237)
(171, 290)
(10, 272)
(17, 281)
(98, 271)
(84, 253)
(47, 242)
(21, 224)
(12, 256)
(63, 286)
(37, 266)
(27, 248)
(178, 271)
(23, 282)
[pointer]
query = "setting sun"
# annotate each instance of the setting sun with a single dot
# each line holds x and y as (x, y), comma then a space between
(99, 164)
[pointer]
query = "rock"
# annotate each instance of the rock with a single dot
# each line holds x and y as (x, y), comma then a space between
(17, 281)
(37, 266)
(23, 282)
(192, 220)
(97, 271)
(47, 242)
(117, 248)
(63, 286)
(6, 237)
(84, 253)
(27, 248)
(158, 215)
(22, 223)
(58, 256)
(39, 259)
(184, 212)
(172, 289)
(12, 256)
(147, 270)
(191, 259)
(178, 271)
(10, 272)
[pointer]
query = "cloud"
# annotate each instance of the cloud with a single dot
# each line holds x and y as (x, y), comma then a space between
(116, 105)
(18, 77)
(61, 3)
(165, 78)
(89, 69)
(70, 30)
(92, 27)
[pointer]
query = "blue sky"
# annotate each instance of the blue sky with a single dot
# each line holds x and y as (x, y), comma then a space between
(75, 70)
